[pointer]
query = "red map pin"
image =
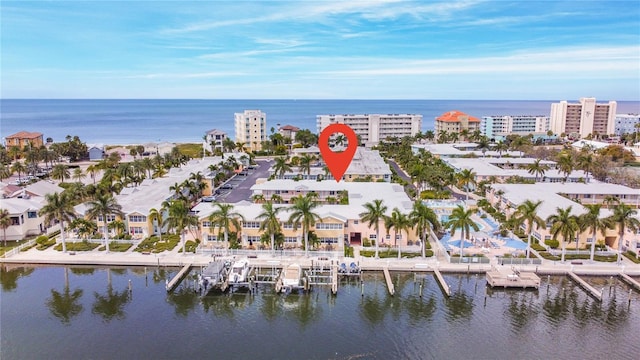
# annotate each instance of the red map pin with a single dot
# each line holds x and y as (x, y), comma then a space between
(337, 162)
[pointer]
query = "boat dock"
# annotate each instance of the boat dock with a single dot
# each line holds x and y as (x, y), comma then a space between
(590, 289)
(626, 278)
(387, 277)
(516, 279)
(170, 285)
(443, 284)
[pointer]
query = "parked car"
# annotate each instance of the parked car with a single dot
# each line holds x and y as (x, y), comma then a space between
(208, 198)
(226, 186)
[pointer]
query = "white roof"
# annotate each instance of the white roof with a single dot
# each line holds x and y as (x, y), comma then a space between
(460, 149)
(484, 167)
(359, 194)
(20, 205)
(43, 187)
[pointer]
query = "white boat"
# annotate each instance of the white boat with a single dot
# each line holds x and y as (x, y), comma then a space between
(291, 276)
(239, 271)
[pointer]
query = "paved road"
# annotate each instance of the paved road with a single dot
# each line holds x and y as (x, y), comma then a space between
(242, 184)
(401, 173)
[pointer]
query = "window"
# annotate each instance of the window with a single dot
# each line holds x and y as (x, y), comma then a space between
(253, 239)
(15, 220)
(212, 237)
(32, 214)
(328, 226)
(372, 236)
(287, 225)
(356, 222)
(328, 240)
(251, 225)
(135, 230)
(206, 224)
(137, 218)
(110, 218)
(290, 239)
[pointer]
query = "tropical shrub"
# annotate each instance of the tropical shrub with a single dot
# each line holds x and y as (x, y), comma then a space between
(552, 243)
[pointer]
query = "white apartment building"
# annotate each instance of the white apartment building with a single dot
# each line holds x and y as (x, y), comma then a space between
(213, 140)
(251, 128)
(584, 118)
(375, 127)
(626, 124)
(497, 127)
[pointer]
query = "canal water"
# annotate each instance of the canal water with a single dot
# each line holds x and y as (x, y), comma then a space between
(125, 313)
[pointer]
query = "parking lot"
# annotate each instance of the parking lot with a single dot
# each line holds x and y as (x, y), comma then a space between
(239, 187)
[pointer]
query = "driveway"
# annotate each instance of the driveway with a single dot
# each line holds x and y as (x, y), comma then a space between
(242, 184)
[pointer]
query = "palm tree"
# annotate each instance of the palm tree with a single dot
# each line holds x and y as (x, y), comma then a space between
(501, 147)
(281, 167)
(92, 170)
(60, 172)
(155, 216)
(270, 222)
(58, 207)
(592, 220)
(305, 164)
(563, 224)
(461, 219)
(18, 167)
(424, 219)
(104, 206)
(302, 214)
(527, 212)
(78, 175)
(373, 214)
(565, 165)
(5, 172)
(398, 222)
(223, 217)
(179, 218)
(466, 178)
(586, 160)
(537, 168)
(5, 222)
(624, 217)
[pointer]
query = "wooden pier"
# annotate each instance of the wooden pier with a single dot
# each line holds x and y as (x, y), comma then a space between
(521, 280)
(626, 278)
(590, 289)
(443, 284)
(170, 285)
(387, 277)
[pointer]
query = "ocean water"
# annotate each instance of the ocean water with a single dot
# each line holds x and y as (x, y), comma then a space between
(90, 313)
(140, 121)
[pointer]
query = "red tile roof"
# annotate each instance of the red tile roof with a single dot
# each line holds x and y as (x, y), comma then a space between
(454, 116)
(25, 135)
(290, 128)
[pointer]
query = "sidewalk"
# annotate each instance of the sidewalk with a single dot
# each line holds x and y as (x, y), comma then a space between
(174, 258)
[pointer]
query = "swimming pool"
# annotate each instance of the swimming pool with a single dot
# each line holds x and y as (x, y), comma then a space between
(516, 244)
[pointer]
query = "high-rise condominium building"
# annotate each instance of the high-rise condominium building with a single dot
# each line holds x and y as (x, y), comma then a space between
(498, 127)
(584, 118)
(375, 127)
(455, 121)
(251, 129)
(626, 124)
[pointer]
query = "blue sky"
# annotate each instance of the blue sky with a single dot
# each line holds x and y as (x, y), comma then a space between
(321, 49)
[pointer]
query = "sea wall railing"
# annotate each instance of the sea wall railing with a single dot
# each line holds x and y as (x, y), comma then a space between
(277, 253)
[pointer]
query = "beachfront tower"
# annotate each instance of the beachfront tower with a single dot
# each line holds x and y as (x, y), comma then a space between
(584, 118)
(251, 128)
(372, 128)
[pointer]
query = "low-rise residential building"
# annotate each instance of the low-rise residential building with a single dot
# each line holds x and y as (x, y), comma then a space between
(506, 168)
(24, 138)
(464, 149)
(507, 197)
(340, 223)
(25, 218)
(214, 140)
(372, 128)
(366, 165)
(288, 131)
(96, 152)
